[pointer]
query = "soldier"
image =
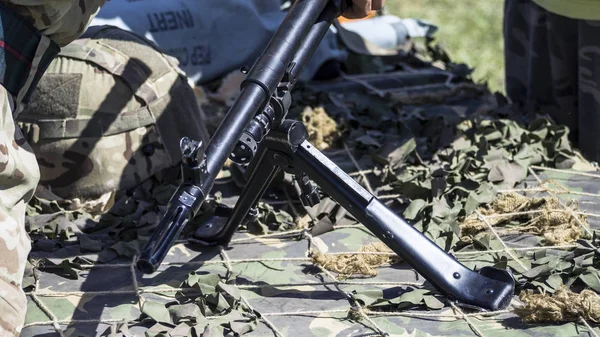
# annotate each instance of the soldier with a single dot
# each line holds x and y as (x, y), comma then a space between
(106, 116)
(32, 34)
(552, 60)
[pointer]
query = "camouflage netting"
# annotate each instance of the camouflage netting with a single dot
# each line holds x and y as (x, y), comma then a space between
(488, 182)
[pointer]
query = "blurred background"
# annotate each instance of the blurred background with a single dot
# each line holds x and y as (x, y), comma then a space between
(469, 30)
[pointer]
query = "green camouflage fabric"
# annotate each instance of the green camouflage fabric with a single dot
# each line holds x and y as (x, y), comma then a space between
(434, 146)
(103, 120)
(551, 63)
(19, 175)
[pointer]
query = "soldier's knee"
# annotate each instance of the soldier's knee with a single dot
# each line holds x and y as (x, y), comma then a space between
(107, 120)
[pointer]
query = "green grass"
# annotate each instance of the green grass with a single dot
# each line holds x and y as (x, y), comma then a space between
(469, 30)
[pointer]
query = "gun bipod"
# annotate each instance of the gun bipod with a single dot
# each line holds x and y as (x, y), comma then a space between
(287, 148)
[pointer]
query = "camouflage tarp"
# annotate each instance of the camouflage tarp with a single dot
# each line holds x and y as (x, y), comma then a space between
(436, 147)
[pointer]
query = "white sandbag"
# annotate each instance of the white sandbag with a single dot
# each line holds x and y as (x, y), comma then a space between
(390, 31)
(209, 38)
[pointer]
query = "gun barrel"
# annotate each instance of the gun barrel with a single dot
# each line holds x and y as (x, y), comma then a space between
(262, 123)
(313, 38)
(163, 239)
(265, 75)
(260, 84)
(271, 67)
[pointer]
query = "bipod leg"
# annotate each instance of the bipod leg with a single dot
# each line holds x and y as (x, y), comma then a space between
(261, 172)
(488, 289)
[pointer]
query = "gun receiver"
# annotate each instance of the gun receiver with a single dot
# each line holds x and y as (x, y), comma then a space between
(256, 133)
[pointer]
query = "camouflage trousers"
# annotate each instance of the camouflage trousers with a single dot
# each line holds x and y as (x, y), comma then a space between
(553, 64)
(62, 21)
(19, 175)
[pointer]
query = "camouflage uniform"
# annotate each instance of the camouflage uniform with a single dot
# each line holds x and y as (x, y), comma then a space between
(552, 63)
(61, 21)
(107, 115)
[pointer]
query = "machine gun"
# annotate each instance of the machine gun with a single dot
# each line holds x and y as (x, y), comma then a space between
(255, 132)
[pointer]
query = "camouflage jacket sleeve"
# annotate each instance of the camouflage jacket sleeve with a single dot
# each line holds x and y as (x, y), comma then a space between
(61, 20)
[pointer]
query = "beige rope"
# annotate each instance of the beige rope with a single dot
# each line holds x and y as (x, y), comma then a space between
(361, 226)
(492, 251)
(361, 172)
(531, 190)
(195, 263)
(567, 210)
(437, 315)
(337, 282)
(158, 290)
(75, 321)
(479, 252)
(365, 316)
(55, 323)
(365, 180)
(266, 236)
(506, 249)
(225, 257)
(360, 310)
(45, 309)
(577, 173)
(589, 232)
(526, 190)
(307, 313)
(466, 318)
(388, 196)
(590, 329)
